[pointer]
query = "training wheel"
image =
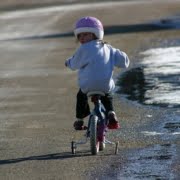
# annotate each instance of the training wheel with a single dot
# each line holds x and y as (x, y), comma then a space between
(73, 147)
(116, 147)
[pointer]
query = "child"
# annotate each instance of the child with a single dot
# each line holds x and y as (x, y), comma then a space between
(95, 61)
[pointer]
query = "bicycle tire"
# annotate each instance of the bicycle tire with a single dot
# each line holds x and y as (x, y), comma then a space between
(94, 143)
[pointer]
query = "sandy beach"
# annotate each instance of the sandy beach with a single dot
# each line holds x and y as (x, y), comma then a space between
(38, 98)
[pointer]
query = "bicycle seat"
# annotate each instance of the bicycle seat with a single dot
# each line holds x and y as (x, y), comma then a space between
(91, 93)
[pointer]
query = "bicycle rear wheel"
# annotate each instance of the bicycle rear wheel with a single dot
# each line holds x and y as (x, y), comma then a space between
(94, 143)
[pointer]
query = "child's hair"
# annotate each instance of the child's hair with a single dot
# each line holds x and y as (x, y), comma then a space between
(94, 37)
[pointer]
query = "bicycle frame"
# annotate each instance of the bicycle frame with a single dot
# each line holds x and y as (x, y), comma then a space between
(99, 111)
(98, 114)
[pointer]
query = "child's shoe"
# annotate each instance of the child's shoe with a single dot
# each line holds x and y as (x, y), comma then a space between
(79, 125)
(113, 122)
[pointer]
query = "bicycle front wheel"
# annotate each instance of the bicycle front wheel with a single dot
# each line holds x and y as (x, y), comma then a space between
(94, 143)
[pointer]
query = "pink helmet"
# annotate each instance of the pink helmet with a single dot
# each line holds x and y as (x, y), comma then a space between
(89, 24)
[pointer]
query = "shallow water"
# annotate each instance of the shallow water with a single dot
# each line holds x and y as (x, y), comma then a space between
(156, 80)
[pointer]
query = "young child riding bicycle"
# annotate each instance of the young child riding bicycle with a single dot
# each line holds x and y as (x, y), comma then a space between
(95, 61)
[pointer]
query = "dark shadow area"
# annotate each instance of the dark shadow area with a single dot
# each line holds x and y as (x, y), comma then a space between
(55, 156)
(134, 28)
(172, 126)
(160, 157)
(134, 85)
(108, 30)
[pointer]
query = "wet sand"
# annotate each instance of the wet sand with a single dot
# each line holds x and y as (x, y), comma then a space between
(38, 93)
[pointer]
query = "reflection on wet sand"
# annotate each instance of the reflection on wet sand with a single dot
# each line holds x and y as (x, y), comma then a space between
(156, 80)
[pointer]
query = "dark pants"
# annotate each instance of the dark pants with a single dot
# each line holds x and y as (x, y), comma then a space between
(82, 106)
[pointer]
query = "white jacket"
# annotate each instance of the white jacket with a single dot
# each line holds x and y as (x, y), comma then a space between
(95, 62)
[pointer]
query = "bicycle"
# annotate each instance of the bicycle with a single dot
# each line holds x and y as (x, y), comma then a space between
(97, 127)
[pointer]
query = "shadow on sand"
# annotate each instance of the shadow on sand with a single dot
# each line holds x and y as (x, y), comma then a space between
(115, 29)
(55, 156)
